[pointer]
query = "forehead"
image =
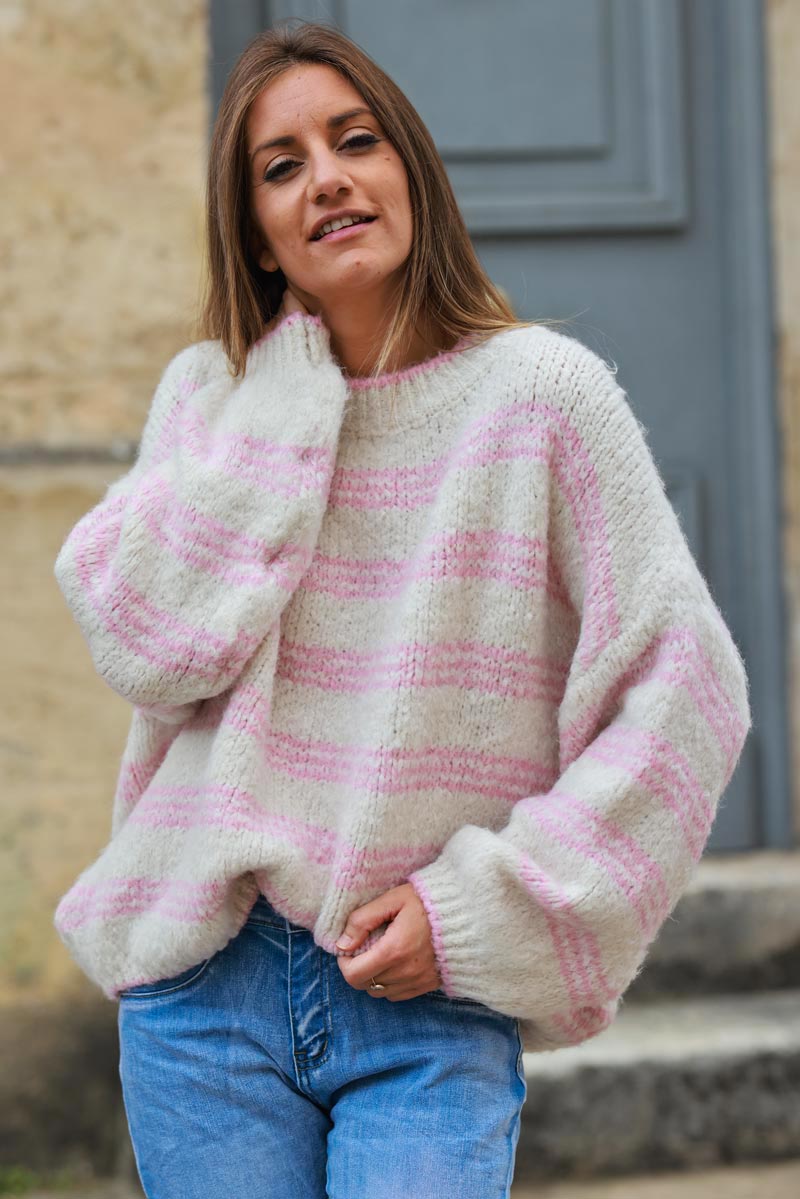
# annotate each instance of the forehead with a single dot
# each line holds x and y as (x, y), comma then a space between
(303, 95)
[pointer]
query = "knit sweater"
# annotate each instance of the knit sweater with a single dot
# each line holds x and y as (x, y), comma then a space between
(439, 627)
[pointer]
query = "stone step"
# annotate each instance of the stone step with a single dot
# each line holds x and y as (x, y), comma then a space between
(676, 1085)
(735, 929)
(777, 1181)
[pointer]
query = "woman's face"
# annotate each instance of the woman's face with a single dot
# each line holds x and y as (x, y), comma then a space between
(322, 169)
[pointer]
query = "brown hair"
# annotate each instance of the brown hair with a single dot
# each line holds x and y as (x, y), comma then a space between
(443, 274)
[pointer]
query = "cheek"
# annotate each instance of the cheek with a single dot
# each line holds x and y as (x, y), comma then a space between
(407, 224)
(282, 238)
(404, 205)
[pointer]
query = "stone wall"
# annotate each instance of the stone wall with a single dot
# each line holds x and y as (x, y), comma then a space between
(101, 204)
(783, 53)
(101, 208)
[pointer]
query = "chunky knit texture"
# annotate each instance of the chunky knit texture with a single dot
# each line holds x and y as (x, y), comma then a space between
(440, 627)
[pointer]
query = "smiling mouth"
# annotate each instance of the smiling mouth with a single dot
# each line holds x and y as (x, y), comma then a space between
(344, 228)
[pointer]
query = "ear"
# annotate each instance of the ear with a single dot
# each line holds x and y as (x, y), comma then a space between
(261, 252)
(267, 262)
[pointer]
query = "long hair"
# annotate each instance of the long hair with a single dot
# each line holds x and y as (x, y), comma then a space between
(445, 288)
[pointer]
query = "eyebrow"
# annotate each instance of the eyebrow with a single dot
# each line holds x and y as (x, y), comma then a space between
(332, 122)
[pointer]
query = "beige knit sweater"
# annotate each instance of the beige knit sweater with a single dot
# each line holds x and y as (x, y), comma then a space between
(441, 627)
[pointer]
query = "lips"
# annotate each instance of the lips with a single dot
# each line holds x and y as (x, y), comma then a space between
(363, 221)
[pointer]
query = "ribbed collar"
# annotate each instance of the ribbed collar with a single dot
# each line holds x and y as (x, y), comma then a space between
(387, 403)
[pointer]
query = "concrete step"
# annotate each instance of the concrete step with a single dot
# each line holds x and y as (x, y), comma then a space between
(675, 1085)
(736, 928)
(780, 1181)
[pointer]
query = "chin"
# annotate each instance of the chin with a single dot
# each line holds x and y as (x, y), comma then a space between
(361, 276)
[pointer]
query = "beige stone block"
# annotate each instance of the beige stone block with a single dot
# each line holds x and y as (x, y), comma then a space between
(63, 729)
(782, 30)
(102, 174)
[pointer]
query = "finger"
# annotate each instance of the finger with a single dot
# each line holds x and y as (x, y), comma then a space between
(370, 964)
(360, 976)
(399, 991)
(390, 989)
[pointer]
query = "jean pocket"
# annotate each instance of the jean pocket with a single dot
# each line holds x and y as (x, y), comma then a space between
(167, 986)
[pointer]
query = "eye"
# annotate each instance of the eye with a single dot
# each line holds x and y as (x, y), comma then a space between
(360, 139)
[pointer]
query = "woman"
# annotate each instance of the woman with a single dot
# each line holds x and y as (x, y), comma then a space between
(432, 703)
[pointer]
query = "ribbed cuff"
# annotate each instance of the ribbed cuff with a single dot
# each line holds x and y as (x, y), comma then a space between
(453, 934)
(299, 337)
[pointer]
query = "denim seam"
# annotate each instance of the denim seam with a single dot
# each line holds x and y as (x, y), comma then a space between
(281, 927)
(134, 994)
(321, 1056)
(302, 1062)
(514, 1132)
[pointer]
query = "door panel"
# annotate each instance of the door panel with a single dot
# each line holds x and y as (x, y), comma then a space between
(604, 154)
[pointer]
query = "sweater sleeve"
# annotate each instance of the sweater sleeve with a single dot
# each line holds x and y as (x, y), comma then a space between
(180, 571)
(550, 918)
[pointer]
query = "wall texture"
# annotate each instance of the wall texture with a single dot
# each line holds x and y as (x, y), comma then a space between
(101, 208)
(783, 53)
(101, 204)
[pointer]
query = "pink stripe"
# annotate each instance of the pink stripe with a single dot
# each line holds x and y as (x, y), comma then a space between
(502, 778)
(570, 465)
(575, 947)
(135, 776)
(675, 658)
(705, 686)
(138, 626)
(283, 469)
(673, 782)
(172, 899)
(407, 488)
(204, 529)
(233, 809)
(506, 558)
(279, 573)
(586, 1023)
(534, 432)
(175, 530)
(94, 560)
(575, 825)
(468, 665)
(404, 488)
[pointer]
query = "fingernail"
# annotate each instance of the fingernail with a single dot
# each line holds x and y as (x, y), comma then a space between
(344, 942)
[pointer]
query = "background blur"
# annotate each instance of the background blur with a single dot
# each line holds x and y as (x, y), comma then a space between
(633, 166)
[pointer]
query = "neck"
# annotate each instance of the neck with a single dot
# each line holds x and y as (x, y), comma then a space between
(357, 329)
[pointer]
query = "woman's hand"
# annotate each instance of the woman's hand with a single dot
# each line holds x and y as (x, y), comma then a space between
(403, 958)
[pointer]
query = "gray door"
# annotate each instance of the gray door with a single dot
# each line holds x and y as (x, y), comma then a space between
(609, 159)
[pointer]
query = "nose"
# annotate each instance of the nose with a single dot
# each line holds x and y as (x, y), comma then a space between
(328, 175)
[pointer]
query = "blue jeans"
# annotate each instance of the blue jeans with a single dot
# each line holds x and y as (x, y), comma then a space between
(262, 1072)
